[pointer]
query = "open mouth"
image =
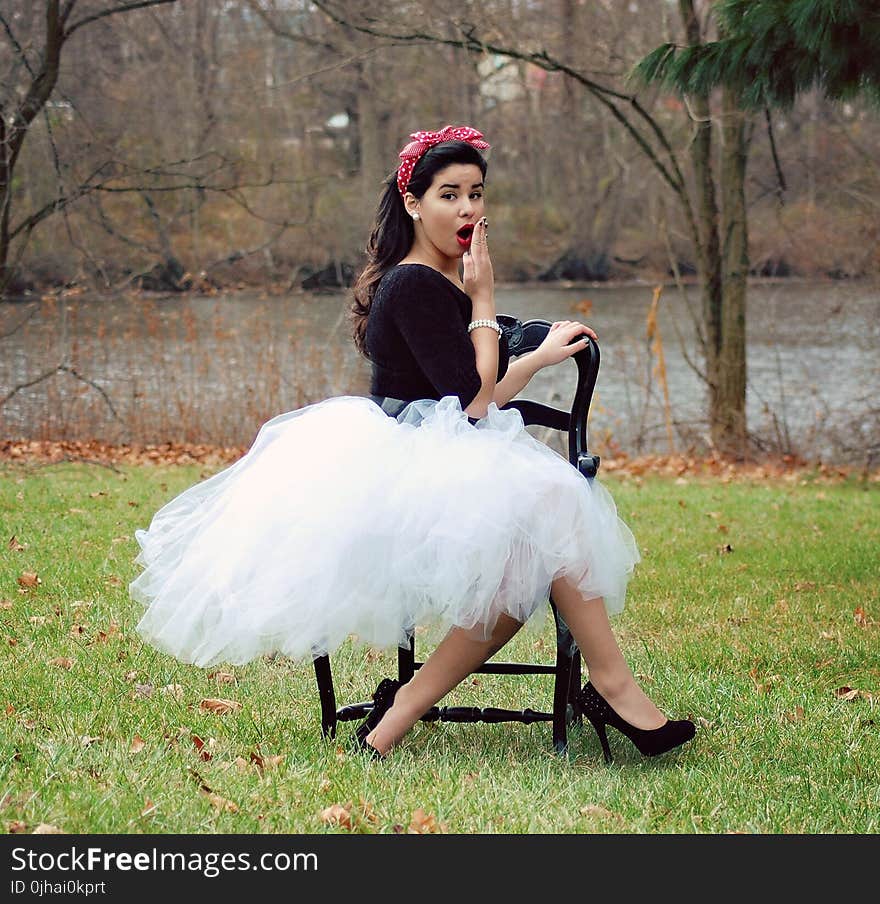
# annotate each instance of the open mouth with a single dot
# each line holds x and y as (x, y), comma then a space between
(464, 235)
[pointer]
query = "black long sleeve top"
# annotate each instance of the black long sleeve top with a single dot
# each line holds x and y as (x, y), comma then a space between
(417, 339)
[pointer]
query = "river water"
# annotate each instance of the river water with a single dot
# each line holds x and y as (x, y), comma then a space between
(213, 368)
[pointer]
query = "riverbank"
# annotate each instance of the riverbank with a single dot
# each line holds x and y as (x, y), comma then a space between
(275, 289)
(785, 468)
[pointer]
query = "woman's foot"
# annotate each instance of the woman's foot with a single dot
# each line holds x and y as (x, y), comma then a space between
(629, 701)
(398, 719)
(650, 742)
(383, 699)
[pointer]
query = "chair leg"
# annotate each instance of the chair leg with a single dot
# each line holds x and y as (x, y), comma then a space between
(406, 658)
(562, 684)
(327, 696)
(574, 685)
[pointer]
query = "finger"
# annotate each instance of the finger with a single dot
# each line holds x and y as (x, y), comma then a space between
(468, 262)
(583, 328)
(479, 237)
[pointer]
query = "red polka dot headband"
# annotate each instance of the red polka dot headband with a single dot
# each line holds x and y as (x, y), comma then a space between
(423, 140)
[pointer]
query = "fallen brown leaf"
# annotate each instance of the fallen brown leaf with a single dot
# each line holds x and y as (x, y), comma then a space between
(598, 811)
(44, 828)
(367, 813)
(796, 716)
(851, 693)
(222, 677)
(218, 706)
(15, 546)
(28, 579)
(16, 827)
(200, 748)
(336, 815)
(149, 807)
(137, 745)
(423, 823)
(220, 803)
(62, 662)
(173, 690)
(860, 617)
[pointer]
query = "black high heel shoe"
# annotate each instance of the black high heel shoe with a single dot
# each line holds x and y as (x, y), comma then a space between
(383, 697)
(649, 742)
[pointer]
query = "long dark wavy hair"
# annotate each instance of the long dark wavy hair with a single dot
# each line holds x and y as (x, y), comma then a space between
(393, 232)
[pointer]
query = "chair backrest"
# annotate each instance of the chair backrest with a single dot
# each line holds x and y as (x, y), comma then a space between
(525, 336)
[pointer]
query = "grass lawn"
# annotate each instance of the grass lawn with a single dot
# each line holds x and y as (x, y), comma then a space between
(756, 612)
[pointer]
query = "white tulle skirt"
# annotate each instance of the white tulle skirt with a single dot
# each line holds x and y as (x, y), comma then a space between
(341, 520)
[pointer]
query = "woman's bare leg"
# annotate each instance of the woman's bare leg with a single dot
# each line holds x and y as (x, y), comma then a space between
(460, 653)
(456, 656)
(609, 672)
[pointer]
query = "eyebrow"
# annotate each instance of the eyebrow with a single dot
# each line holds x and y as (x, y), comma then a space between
(456, 185)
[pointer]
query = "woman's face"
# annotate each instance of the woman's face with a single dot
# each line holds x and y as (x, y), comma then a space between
(453, 202)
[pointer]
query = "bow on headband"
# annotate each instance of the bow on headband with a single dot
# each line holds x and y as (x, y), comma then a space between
(423, 140)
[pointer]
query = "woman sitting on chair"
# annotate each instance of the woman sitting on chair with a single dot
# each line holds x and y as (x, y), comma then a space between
(425, 503)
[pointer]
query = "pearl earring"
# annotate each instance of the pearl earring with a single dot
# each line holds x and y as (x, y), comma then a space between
(415, 216)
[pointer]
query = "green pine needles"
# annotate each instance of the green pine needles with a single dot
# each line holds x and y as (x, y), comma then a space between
(769, 51)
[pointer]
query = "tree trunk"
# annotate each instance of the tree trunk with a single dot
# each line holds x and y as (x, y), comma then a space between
(14, 133)
(728, 414)
(723, 259)
(5, 205)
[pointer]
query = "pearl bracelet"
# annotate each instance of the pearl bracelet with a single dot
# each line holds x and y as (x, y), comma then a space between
(492, 323)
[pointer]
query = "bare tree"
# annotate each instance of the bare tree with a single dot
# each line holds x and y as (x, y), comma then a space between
(31, 79)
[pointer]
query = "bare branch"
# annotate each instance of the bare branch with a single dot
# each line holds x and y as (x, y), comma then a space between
(240, 255)
(62, 368)
(15, 43)
(606, 96)
(20, 324)
(78, 376)
(279, 31)
(124, 8)
(18, 388)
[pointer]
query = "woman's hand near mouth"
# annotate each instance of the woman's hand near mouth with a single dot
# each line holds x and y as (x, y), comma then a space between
(479, 279)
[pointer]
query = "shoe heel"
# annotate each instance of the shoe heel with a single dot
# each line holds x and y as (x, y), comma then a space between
(603, 738)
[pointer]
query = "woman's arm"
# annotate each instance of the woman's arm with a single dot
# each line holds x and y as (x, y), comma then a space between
(519, 372)
(479, 283)
(563, 339)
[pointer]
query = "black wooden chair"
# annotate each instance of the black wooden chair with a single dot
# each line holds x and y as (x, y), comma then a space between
(522, 337)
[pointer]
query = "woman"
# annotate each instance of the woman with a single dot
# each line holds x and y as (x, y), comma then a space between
(424, 504)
